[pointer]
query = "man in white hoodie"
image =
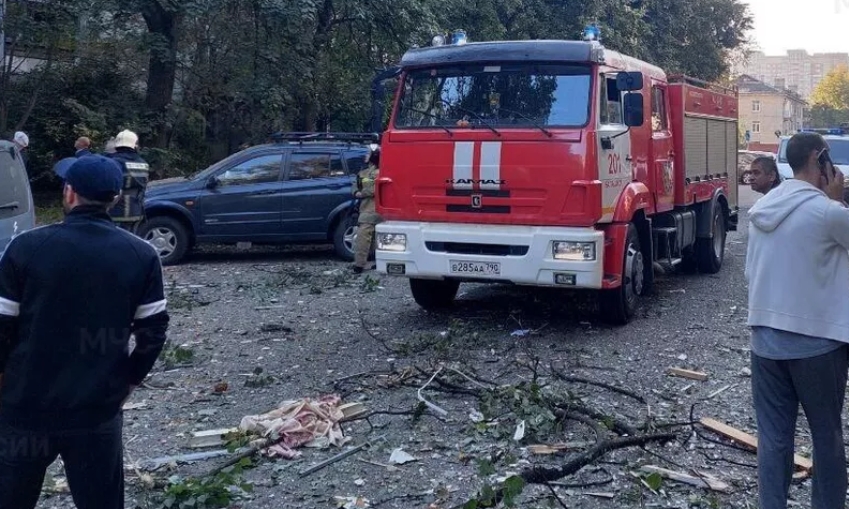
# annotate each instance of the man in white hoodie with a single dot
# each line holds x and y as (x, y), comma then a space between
(797, 266)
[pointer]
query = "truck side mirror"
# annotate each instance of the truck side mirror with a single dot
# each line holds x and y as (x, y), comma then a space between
(634, 116)
(629, 81)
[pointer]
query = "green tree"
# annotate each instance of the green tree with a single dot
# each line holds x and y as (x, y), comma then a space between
(830, 99)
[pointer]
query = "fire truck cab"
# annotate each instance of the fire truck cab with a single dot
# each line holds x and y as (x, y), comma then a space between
(552, 163)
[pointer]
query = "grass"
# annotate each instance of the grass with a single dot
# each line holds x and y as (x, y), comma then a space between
(48, 209)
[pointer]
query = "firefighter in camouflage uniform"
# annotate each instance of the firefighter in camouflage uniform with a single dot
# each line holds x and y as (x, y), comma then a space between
(368, 217)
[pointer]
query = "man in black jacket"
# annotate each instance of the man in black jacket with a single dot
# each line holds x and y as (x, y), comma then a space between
(71, 296)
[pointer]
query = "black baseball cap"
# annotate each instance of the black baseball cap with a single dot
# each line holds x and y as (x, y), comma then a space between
(95, 177)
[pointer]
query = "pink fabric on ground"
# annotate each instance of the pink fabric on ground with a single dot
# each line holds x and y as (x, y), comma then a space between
(299, 423)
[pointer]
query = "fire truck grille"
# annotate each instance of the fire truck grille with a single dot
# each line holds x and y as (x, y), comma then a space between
(476, 249)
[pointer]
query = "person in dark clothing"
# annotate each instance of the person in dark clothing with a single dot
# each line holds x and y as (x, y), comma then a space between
(71, 296)
(130, 211)
(82, 147)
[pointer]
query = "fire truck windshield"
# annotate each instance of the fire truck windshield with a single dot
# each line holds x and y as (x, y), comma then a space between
(503, 96)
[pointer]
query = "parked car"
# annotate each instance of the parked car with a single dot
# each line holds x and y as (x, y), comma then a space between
(296, 189)
(17, 211)
(744, 163)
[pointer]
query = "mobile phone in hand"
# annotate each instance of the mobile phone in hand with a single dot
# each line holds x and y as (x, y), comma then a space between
(824, 162)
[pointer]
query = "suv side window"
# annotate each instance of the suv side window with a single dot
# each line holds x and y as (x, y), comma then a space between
(356, 162)
(14, 186)
(258, 170)
(314, 165)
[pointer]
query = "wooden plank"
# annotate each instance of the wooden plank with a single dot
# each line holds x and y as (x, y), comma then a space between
(543, 449)
(352, 410)
(748, 440)
(701, 482)
(686, 373)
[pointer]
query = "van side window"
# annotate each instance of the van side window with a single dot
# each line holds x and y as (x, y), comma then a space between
(659, 120)
(14, 186)
(610, 98)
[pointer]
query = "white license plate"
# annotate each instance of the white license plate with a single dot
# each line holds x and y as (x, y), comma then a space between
(476, 268)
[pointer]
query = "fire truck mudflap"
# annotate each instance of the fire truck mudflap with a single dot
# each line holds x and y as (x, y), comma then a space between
(522, 255)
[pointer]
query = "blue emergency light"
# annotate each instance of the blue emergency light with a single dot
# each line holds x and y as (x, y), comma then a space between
(457, 38)
(592, 33)
(837, 131)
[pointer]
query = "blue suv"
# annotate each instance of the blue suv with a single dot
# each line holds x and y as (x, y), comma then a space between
(296, 189)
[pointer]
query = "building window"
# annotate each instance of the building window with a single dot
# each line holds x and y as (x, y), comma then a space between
(756, 127)
(756, 106)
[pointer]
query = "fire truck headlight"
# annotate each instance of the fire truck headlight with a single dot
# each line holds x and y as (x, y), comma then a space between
(391, 241)
(574, 251)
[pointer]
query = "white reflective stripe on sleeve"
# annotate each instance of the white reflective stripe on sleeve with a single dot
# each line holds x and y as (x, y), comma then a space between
(151, 309)
(9, 307)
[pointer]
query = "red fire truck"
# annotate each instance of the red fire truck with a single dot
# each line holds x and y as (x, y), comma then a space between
(552, 163)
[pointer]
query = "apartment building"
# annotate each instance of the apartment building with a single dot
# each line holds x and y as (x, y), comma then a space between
(797, 69)
(767, 112)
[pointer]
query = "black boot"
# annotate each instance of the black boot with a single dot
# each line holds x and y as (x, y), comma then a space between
(357, 269)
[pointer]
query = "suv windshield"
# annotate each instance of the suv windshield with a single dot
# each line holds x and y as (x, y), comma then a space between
(838, 151)
(507, 95)
(14, 185)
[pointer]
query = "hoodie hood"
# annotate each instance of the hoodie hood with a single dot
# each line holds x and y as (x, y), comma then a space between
(772, 209)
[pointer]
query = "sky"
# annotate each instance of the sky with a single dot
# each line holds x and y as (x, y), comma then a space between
(818, 26)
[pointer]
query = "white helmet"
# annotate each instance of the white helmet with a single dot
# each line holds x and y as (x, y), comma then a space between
(127, 139)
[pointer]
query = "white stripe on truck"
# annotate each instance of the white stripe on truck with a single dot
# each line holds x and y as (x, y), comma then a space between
(490, 165)
(464, 152)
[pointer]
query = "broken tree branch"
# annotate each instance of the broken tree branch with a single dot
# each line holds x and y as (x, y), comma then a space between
(578, 379)
(545, 475)
(539, 475)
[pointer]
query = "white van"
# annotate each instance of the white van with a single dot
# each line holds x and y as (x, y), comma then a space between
(17, 211)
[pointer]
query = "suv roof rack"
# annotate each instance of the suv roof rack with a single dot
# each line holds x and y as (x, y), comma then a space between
(326, 137)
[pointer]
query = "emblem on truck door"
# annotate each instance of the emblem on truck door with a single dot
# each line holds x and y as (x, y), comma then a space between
(477, 201)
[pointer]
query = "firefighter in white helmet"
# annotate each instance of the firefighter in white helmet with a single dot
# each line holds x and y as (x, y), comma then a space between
(129, 212)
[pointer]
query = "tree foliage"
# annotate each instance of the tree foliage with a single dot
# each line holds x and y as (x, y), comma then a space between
(830, 99)
(200, 78)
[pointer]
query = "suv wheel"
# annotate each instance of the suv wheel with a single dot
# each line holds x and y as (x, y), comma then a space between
(168, 236)
(344, 237)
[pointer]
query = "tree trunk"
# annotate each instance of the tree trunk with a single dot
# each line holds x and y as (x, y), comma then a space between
(163, 23)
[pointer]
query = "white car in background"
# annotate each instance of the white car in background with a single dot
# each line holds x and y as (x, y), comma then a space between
(838, 148)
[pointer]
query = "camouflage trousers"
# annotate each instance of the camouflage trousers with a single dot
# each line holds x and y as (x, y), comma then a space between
(363, 244)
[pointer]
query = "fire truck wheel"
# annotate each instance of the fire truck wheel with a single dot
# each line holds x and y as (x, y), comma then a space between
(711, 252)
(434, 294)
(619, 305)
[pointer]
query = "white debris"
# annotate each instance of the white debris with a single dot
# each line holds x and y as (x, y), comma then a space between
(400, 457)
(520, 432)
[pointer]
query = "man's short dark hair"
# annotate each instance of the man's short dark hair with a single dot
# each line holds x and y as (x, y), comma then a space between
(799, 149)
(105, 205)
(770, 166)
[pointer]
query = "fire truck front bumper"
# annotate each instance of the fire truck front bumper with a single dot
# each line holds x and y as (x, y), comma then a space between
(523, 255)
